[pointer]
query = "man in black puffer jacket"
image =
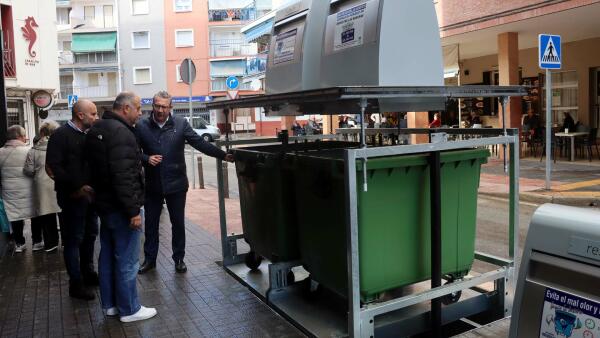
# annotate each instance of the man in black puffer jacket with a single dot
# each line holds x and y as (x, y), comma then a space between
(115, 162)
(162, 137)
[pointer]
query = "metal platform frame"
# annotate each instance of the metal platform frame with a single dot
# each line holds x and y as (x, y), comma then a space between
(389, 317)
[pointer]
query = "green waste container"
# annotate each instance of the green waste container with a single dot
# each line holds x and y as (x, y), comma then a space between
(393, 218)
(266, 187)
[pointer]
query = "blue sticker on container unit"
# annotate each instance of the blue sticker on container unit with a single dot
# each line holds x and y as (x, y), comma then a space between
(569, 316)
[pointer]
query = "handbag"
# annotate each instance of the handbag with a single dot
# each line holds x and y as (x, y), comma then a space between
(4, 223)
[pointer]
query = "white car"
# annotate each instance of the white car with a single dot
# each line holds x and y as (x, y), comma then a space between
(201, 127)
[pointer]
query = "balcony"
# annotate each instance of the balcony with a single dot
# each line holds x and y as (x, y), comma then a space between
(232, 14)
(65, 91)
(95, 91)
(219, 85)
(10, 67)
(95, 58)
(65, 58)
(226, 48)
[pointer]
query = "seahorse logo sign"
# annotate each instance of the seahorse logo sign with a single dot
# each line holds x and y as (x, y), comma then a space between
(29, 34)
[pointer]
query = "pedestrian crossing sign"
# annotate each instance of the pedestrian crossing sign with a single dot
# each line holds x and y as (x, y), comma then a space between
(72, 99)
(550, 56)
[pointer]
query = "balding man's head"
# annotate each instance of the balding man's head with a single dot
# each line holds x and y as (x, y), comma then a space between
(128, 105)
(84, 113)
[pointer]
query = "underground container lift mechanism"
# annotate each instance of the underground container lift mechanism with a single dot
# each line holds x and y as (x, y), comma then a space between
(361, 319)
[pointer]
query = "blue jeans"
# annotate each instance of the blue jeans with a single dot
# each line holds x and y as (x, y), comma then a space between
(79, 229)
(176, 207)
(119, 263)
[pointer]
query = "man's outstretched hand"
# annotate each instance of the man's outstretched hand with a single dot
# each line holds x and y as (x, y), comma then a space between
(229, 158)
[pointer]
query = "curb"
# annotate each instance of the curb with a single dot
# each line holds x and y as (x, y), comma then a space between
(537, 198)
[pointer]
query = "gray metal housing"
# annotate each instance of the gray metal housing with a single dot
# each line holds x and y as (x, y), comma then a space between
(399, 46)
(300, 70)
(555, 256)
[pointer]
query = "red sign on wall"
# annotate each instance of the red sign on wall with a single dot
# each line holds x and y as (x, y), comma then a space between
(30, 35)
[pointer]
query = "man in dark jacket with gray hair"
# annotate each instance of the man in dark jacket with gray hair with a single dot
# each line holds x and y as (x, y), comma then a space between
(162, 137)
(115, 162)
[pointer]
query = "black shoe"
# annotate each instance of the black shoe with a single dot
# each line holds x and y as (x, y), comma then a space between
(79, 292)
(146, 266)
(180, 266)
(91, 278)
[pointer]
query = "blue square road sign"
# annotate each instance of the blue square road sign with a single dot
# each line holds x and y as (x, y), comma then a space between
(549, 51)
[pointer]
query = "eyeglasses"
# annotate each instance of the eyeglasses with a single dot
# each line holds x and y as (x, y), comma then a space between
(158, 106)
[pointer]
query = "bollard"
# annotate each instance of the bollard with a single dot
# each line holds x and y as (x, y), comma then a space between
(225, 180)
(200, 173)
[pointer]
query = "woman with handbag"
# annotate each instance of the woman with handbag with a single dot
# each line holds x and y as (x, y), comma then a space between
(44, 197)
(16, 186)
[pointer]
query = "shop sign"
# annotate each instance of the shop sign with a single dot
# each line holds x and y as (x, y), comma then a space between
(30, 36)
(42, 99)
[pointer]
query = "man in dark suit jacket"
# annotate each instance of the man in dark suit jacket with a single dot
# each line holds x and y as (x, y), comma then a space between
(162, 137)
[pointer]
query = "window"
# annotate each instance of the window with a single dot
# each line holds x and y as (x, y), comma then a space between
(140, 40)
(565, 94)
(178, 73)
(184, 38)
(62, 16)
(142, 75)
(108, 16)
(66, 46)
(93, 80)
(139, 7)
(182, 5)
(89, 13)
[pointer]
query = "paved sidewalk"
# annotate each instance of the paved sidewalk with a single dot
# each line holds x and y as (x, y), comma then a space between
(204, 302)
(573, 183)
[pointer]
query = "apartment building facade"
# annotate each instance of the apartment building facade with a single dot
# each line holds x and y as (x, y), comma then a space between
(87, 54)
(142, 48)
(29, 60)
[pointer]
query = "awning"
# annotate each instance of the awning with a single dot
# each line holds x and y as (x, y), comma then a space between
(451, 62)
(259, 30)
(94, 42)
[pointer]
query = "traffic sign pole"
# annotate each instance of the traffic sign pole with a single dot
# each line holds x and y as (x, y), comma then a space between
(192, 155)
(549, 57)
(548, 128)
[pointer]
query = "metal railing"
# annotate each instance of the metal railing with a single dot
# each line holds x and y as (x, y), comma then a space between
(232, 14)
(10, 67)
(65, 58)
(97, 57)
(92, 91)
(224, 48)
(217, 85)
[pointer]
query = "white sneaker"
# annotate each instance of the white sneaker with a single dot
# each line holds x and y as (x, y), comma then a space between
(143, 314)
(113, 311)
(38, 246)
(52, 248)
(20, 248)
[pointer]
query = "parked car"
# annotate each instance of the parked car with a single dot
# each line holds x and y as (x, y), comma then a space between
(208, 132)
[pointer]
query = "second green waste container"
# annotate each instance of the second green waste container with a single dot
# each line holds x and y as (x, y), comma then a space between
(267, 198)
(393, 218)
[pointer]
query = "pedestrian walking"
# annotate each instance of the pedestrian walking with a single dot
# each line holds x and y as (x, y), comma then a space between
(162, 137)
(79, 224)
(115, 161)
(45, 205)
(16, 186)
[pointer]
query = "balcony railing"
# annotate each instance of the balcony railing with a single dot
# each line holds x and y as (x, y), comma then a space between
(10, 67)
(88, 91)
(232, 14)
(94, 58)
(65, 58)
(224, 48)
(219, 85)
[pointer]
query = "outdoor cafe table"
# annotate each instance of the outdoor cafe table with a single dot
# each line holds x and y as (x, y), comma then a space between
(572, 136)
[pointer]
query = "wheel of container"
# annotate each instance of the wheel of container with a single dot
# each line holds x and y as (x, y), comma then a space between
(453, 297)
(253, 260)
